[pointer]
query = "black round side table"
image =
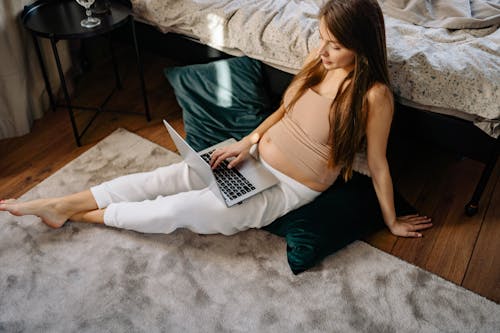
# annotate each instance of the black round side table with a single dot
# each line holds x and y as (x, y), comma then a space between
(60, 20)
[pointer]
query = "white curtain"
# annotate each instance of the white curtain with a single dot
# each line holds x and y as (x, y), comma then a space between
(23, 97)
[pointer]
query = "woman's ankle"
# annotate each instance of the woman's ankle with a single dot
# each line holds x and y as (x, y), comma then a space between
(92, 216)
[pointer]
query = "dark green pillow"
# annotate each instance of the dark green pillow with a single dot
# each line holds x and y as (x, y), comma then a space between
(220, 99)
(345, 212)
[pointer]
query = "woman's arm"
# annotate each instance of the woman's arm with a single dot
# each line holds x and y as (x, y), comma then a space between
(241, 149)
(380, 112)
(255, 136)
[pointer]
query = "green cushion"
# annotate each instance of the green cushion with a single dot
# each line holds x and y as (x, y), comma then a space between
(220, 100)
(345, 212)
(226, 98)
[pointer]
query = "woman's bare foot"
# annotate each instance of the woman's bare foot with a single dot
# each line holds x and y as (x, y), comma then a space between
(51, 211)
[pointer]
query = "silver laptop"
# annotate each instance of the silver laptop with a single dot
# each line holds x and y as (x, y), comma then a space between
(232, 186)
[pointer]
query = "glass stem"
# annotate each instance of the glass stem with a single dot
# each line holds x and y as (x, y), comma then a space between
(88, 12)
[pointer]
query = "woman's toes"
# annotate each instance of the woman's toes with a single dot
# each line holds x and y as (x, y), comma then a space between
(3, 204)
(7, 201)
(45, 209)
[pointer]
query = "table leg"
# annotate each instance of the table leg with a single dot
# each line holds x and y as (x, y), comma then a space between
(139, 65)
(65, 91)
(115, 65)
(472, 206)
(44, 73)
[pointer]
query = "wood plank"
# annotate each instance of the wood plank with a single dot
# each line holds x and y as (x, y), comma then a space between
(483, 272)
(447, 247)
(35, 160)
(456, 239)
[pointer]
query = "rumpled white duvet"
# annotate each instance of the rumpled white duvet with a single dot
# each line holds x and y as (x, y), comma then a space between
(454, 72)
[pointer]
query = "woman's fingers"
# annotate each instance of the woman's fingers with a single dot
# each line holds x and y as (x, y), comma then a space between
(218, 160)
(413, 234)
(406, 217)
(415, 218)
(412, 229)
(411, 225)
(419, 220)
(234, 162)
(213, 157)
(220, 156)
(422, 226)
(217, 157)
(418, 227)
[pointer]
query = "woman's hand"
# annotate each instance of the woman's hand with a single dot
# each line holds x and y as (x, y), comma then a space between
(410, 225)
(239, 150)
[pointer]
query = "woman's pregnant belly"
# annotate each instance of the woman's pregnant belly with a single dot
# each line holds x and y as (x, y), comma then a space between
(270, 153)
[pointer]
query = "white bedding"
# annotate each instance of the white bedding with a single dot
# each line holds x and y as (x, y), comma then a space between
(456, 72)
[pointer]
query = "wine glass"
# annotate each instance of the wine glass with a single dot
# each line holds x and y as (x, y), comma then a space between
(90, 21)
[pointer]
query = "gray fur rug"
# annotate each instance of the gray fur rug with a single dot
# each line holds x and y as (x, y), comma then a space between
(84, 278)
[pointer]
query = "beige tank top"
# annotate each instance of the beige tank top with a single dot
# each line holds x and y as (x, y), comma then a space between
(302, 134)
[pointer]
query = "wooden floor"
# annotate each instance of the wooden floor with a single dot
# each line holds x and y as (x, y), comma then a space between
(461, 249)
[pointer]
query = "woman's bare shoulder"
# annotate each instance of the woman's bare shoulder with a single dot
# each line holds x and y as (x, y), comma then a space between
(378, 92)
(379, 97)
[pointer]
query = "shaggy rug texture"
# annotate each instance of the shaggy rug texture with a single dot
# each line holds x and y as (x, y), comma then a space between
(85, 278)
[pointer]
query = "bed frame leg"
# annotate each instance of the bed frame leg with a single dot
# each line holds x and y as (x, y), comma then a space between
(473, 206)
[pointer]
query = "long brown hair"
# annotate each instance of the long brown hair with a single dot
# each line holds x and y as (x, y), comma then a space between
(358, 25)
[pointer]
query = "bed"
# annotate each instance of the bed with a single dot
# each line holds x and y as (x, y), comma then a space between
(440, 67)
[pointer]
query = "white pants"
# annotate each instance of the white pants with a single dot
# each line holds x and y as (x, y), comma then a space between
(174, 197)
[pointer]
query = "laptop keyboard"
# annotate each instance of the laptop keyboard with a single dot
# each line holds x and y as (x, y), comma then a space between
(231, 182)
